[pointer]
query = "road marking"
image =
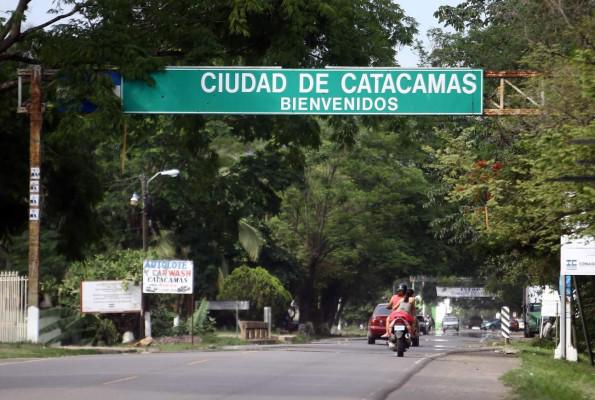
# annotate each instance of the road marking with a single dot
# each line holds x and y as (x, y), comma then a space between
(420, 360)
(198, 362)
(23, 362)
(128, 378)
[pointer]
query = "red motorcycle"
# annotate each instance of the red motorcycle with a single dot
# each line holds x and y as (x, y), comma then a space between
(402, 336)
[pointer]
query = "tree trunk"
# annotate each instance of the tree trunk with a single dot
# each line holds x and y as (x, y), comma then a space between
(307, 301)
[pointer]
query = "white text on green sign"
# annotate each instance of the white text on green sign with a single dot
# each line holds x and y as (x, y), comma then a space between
(348, 91)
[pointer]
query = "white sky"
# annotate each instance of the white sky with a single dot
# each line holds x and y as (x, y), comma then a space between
(421, 10)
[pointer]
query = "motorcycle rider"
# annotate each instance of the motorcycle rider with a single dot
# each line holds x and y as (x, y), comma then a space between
(405, 310)
(393, 304)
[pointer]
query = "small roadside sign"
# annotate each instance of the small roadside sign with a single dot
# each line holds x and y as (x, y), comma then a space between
(577, 255)
(168, 276)
(107, 297)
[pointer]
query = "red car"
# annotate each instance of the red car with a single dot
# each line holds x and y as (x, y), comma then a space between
(377, 322)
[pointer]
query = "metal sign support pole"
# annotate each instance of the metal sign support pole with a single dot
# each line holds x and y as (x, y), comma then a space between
(560, 352)
(237, 320)
(192, 320)
(585, 330)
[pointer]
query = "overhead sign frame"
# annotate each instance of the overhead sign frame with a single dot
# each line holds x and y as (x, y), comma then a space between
(328, 91)
(461, 292)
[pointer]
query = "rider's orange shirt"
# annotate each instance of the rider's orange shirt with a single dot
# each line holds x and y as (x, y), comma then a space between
(395, 300)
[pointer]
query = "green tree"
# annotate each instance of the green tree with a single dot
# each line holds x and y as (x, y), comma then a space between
(260, 288)
(503, 175)
(92, 161)
(359, 220)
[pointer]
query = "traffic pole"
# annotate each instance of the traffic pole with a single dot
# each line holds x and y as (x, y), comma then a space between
(505, 323)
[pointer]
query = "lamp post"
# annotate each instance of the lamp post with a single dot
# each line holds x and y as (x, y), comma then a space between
(134, 200)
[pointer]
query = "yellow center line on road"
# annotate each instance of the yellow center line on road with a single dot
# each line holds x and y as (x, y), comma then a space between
(128, 378)
(198, 362)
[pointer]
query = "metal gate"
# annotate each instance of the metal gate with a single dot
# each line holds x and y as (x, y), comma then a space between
(13, 307)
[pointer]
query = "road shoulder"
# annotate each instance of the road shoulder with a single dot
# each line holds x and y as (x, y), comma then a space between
(459, 376)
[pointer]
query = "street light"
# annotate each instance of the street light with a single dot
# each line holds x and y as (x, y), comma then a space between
(134, 200)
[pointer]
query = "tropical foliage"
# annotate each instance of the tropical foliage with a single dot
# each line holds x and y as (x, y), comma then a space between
(329, 211)
(259, 287)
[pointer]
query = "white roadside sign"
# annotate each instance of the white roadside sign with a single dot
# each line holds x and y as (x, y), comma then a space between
(577, 255)
(168, 276)
(550, 303)
(443, 291)
(105, 297)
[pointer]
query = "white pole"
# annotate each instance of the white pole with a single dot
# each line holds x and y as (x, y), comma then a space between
(571, 353)
(147, 323)
(560, 352)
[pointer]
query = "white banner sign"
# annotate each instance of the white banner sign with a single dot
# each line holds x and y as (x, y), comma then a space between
(168, 276)
(577, 255)
(35, 173)
(110, 297)
(34, 186)
(34, 214)
(442, 291)
(229, 305)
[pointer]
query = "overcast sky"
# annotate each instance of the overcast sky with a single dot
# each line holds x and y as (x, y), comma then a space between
(421, 10)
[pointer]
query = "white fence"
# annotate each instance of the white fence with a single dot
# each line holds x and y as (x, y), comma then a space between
(13, 307)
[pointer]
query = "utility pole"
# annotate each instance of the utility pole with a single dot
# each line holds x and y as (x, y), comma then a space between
(34, 110)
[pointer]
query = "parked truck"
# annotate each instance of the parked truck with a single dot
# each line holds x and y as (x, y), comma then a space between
(532, 310)
(535, 298)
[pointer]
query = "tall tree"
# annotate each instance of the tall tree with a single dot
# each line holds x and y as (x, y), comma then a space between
(504, 174)
(359, 220)
(93, 160)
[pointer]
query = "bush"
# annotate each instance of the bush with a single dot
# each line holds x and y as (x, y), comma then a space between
(162, 322)
(124, 265)
(259, 287)
(203, 324)
(119, 265)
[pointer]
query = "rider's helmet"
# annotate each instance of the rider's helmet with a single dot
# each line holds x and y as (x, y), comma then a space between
(402, 288)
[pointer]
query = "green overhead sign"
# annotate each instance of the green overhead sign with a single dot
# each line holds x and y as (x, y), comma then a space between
(336, 91)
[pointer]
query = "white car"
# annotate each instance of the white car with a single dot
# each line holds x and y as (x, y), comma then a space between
(450, 322)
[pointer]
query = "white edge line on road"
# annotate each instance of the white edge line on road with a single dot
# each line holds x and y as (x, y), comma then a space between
(198, 362)
(24, 361)
(128, 378)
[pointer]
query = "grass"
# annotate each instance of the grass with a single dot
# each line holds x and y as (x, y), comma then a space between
(209, 342)
(28, 350)
(352, 331)
(214, 341)
(542, 377)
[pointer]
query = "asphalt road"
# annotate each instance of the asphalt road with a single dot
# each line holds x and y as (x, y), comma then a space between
(330, 369)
